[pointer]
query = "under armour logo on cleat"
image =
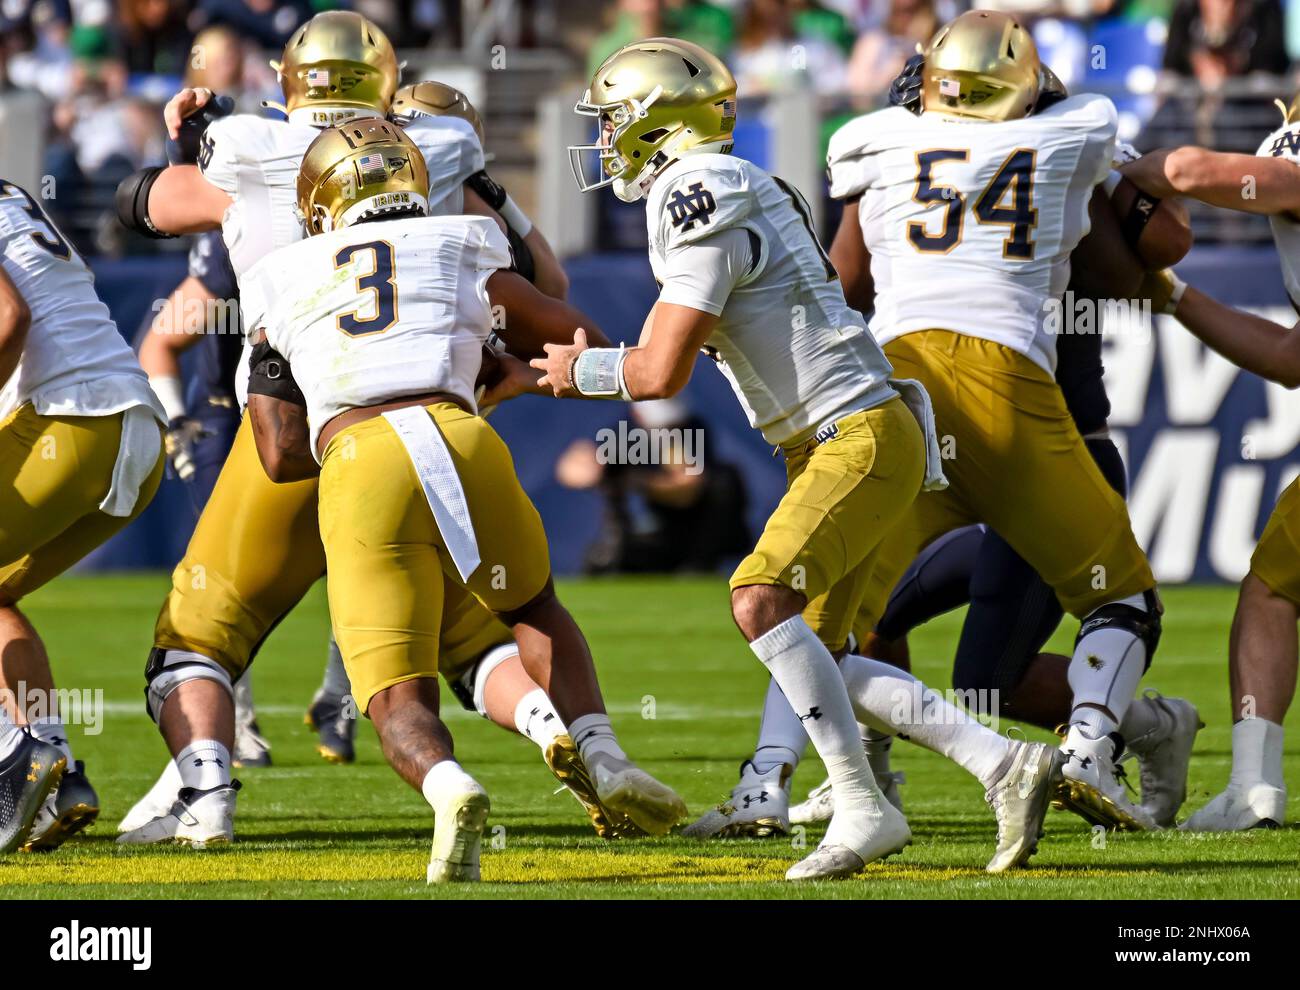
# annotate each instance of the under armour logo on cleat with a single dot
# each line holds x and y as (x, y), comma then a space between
(750, 799)
(814, 713)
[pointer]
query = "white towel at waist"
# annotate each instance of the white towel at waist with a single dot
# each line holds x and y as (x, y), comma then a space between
(137, 456)
(917, 399)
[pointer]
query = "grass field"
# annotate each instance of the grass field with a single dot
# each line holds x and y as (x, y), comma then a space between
(667, 647)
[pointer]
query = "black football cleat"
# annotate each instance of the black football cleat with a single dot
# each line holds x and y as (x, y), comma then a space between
(27, 777)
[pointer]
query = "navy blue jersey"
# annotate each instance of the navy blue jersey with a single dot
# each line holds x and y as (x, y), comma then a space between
(217, 355)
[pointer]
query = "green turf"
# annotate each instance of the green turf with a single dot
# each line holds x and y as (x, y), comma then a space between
(664, 647)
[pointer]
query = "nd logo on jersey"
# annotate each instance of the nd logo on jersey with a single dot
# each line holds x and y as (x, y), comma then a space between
(1287, 143)
(696, 204)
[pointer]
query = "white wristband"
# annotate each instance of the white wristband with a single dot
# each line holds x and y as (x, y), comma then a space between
(1176, 296)
(171, 393)
(598, 373)
(515, 218)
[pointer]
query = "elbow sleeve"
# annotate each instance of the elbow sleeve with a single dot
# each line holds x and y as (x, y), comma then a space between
(132, 201)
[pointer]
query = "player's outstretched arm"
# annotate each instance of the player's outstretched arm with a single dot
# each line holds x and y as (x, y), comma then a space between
(658, 369)
(530, 318)
(15, 321)
(852, 260)
(1250, 183)
(1268, 349)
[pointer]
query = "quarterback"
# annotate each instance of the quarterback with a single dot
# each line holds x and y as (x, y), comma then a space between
(745, 279)
(81, 451)
(367, 374)
(1262, 650)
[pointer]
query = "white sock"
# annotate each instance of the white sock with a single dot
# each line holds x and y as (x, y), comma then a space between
(781, 736)
(1256, 753)
(593, 734)
(10, 735)
(892, 700)
(1104, 672)
(204, 764)
(336, 683)
(50, 730)
(878, 745)
(445, 777)
(810, 680)
(245, 712)
(537, 719)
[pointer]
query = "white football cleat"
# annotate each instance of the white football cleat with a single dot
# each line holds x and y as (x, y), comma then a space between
(1237, 809)
(458, 823)
(1163, 756)
(886, 833)
(1092, 783)
(197, 819)
(759, 807)
(820, 804)
(157, 802)
(1020, 800)
(625, 788)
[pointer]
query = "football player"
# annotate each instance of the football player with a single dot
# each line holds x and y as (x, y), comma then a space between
(256, 549)
(81, 451)
(958, 228)
(744, 277)
(1262, 651)
(370, 381)
(202, 314)
(1012, 610)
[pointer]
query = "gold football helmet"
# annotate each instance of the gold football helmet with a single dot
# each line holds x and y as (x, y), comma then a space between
(983, 65)
(357, 170)
(434, 99)
(655, 100)
(338, 60)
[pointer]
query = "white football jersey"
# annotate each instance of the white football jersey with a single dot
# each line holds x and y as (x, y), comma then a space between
(970, 224)
(379, 310)
(254, 160)
(74, 362)
(796, 354)
(1285, 143)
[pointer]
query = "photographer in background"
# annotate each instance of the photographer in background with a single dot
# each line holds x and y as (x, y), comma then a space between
(686, 513)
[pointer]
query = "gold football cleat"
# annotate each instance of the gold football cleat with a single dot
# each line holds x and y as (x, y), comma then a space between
(565, 762)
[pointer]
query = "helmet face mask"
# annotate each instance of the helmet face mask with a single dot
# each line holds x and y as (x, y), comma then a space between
(654, 101)
(982, 65)
(360, 170)
(338, 62)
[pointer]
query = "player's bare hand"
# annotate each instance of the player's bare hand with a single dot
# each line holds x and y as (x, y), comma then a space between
(180, 106)
(510, 377)
(558, 365)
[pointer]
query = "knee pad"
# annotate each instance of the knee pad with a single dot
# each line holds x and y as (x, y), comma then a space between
(1138, 614)
(169, 669)
(470, 686)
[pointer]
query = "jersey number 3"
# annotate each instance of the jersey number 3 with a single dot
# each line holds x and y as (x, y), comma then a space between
(1007, 200)
(381, 280)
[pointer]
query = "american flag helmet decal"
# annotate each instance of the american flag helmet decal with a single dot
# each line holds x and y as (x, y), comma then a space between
(318, 77)
(372, 168)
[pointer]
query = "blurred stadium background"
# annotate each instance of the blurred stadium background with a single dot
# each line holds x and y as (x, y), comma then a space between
(82, 83)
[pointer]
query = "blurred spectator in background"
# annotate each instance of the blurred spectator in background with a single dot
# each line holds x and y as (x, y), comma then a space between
(684, 515)
(1214, 40)
(881, 51)
(783, 44)
(1214, 43)
(34, 52)
(705, 24)
(151, 38)
(221, 61)
(267, 23)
